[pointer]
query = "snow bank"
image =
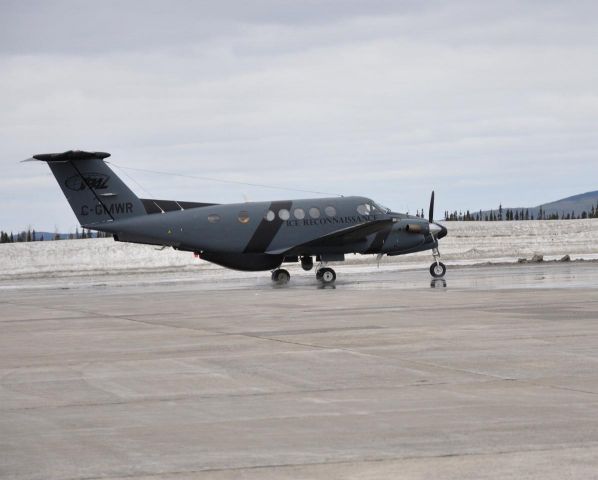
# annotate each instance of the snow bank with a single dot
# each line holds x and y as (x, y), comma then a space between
(466, 243)
(508, 241)
(89, 255)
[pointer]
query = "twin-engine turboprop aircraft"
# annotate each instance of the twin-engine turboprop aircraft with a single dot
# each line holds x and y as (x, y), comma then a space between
(244, 236)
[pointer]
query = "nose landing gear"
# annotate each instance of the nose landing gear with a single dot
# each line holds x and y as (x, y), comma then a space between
(437, 269)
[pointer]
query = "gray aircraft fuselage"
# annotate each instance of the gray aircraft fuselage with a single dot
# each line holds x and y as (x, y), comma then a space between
(243, 236)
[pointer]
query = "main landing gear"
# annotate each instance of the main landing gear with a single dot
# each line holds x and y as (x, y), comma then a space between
(326, 275)
(281, 276)
(437, 269)
(307, 263)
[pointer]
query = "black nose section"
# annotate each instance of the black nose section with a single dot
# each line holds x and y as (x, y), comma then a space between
(443, 232)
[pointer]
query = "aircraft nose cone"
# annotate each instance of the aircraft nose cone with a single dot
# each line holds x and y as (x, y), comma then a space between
(443, 232)
(438, 230)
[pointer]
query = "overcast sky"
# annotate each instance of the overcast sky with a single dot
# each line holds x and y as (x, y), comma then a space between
(485, 102)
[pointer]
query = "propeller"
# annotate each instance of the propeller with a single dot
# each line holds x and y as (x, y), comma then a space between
(437, 231)
(418, 227)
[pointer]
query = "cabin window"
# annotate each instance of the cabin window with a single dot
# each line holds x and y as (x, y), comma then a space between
(213, 218)
(314, 212)
(284, 214)
(270, 215)
(299, 213)
(330, 211)
(244, 217)
(364, 209)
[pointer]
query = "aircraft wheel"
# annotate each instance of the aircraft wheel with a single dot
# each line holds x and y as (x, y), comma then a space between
(437, 270)
(326, 275)
(281, 276)
(307, 263)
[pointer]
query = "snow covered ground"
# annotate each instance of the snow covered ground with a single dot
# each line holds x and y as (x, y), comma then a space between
(467, 243)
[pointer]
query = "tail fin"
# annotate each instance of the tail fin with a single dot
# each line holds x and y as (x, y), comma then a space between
(94, 191)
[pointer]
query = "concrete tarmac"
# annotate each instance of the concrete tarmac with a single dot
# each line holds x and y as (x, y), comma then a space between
(493, 376)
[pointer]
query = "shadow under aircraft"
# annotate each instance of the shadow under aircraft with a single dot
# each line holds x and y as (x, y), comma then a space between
(252, 236)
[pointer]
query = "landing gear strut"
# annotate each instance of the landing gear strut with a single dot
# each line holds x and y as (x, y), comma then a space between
(437, 269)
(280, 276)
(326, 275)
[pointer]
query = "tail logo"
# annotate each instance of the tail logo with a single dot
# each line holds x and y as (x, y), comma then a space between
(96, 181)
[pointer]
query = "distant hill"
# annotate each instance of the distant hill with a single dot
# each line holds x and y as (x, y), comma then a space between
(576, 203)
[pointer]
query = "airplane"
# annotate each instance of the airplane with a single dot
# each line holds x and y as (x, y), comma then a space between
(251, 236)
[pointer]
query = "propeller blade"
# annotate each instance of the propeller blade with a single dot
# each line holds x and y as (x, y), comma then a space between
(431, 213)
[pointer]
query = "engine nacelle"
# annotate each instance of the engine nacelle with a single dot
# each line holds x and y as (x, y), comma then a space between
(408, 236)
(423, 228)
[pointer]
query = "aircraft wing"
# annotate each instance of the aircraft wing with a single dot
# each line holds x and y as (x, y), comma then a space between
(340, 237)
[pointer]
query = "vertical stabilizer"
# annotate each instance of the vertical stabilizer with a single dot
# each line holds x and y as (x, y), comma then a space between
(96, 194)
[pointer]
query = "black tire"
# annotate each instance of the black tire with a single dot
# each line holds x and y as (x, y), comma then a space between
(281, 276)
(326, 275)
(437, 270)
(307, 263)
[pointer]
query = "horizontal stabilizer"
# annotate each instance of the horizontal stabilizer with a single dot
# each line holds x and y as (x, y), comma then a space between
(71, 155)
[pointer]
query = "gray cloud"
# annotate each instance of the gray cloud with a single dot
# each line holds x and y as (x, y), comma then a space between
(486, 103)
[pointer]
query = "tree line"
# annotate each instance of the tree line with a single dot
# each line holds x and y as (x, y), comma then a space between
(517, 214)
(30, 235)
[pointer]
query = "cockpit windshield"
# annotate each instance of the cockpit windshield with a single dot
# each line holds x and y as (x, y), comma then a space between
(381, 208)
(371, 208)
